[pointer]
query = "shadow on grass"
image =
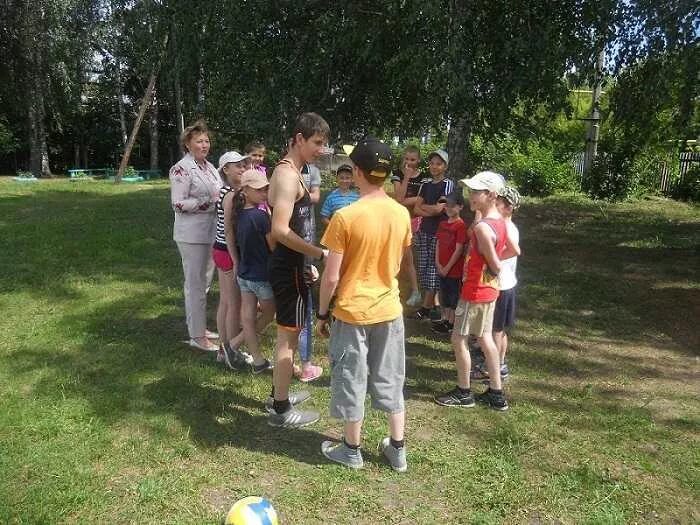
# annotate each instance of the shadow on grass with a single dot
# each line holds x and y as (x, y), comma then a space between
(126, 368)
(629, 275)
(581, 275)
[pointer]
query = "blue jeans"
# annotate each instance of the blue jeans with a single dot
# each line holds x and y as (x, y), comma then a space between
(306, 340)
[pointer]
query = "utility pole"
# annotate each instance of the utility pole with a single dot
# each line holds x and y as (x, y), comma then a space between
(593, 132)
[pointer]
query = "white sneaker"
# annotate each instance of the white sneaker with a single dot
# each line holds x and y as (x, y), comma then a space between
(211, 347)
(395, 456)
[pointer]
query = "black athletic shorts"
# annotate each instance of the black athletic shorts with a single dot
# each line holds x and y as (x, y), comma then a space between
(291, 293)
(504, 315)
(449, 291)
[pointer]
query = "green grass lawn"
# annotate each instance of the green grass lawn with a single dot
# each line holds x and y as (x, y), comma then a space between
(106, 417)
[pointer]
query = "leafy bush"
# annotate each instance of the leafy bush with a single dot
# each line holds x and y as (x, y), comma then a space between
(537, 172)
(610, 178)
(533, 167)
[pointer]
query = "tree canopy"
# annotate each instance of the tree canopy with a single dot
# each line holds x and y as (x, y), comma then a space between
(74, 71)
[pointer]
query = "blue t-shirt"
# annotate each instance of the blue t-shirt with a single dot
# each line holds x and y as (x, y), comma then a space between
(252, 225)
(431, 192)
(336, 200)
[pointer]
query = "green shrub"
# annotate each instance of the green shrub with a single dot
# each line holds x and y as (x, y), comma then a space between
(610, 178)
(538, 173)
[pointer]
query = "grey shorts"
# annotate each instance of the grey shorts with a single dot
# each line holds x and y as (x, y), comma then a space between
(366, 357)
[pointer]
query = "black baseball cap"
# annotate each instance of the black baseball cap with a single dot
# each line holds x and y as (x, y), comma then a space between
(372, 156)
(455, 198)
(343, 167)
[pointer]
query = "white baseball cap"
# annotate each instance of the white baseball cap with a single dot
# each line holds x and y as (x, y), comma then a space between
(440, 153)
(230, 156)
(485, 180)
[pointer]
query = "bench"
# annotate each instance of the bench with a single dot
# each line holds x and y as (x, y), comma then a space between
(92, 173)
(110, 173)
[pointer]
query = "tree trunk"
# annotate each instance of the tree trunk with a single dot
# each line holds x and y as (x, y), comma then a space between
(154, 131)
(34, 143)
(200, 92)
(457, 147)
(45, 168)
(120, 102)
(460, 98)
(179, 120)
(35, 48)
(199, 110)
(145, 102)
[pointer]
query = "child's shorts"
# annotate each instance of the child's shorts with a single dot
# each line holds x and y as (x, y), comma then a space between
(260, 289)
(366, 358)
(473, 318)
(449, 291)
(504, 316)
(222, 259)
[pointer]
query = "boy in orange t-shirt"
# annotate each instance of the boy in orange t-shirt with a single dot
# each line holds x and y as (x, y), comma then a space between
(366, 242)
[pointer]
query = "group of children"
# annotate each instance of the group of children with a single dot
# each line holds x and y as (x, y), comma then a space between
(261, 250)
(470, 271)
(243, 241)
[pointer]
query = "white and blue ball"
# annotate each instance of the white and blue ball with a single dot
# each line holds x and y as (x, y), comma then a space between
(252, 510)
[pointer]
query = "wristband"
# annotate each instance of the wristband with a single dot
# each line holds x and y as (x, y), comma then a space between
(323, 317)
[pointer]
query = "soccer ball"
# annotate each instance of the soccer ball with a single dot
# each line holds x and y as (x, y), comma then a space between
(252, 510)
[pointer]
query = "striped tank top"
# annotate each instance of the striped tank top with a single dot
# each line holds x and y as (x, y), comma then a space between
(220, 238)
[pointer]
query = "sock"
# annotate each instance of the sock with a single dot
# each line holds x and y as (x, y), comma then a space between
(227, 347)
(464, 391)
(493, 391)
(281, 406)
(272, 393)
(352, 447)
(396, 444)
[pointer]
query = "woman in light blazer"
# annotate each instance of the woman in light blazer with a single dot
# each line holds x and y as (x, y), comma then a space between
(194, 190)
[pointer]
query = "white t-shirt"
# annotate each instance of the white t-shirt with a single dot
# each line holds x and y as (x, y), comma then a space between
(507, 276)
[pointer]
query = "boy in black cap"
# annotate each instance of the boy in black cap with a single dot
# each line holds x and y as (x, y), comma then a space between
(449, 260)
(366, 242)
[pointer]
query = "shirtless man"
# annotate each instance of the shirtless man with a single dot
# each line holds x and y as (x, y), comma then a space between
(291, 206)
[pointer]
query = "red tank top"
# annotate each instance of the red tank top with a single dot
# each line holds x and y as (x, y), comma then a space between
(480, 285)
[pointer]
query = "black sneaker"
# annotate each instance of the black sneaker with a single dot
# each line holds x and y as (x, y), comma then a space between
(233, 358)
(259, 369)
(421, 314)
(456, 398)
(441, 327)
(495, 400)
(295, 398)
(478, 374)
